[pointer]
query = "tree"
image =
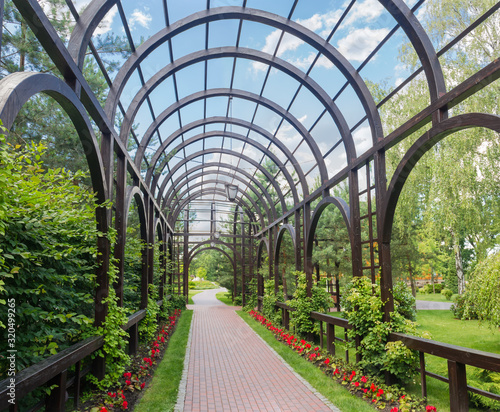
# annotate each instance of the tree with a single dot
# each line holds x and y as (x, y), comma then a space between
(41, 119)
(453, 191)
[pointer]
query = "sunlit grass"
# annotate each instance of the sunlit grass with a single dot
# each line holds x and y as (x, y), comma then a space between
(225, 297)
(444, 328)
(434, 297)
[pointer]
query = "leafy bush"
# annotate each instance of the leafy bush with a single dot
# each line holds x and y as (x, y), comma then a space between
(251, 297)
(404, 301)
(447, 293)
(48, 241)
(488, 381)
(191, 285)
(483, 292)
(269, 300)
(319, 301)
(148, 326)
(363, 309)
(438, 287)
(458, 308)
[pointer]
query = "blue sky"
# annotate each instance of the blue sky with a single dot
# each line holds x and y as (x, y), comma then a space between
(364, 27)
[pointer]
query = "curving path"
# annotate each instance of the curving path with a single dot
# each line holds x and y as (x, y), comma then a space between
(230, 368)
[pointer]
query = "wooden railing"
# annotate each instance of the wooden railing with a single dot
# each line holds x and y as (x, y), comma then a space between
(457, 357)
(54, 371)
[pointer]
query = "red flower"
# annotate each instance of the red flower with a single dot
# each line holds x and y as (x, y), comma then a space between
(143, 384)
(327, 361)
(430, 408)
(127, 375)
(394, 410)
(356, 384)
(308, 346)
(336, 371)
(127, 382)
(363, 379)
(125, 405)
(316, 348)
(103, 409)
(365, 390)
(380, 392)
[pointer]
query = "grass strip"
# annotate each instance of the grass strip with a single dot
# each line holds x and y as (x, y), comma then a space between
(334, 392)
(161, 395)
(434, 297)
(225, 297)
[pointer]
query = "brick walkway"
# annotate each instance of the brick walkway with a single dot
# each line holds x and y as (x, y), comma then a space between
(232, 369)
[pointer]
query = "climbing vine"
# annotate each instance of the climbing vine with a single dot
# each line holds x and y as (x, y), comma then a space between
(362, 306)
(319, 301)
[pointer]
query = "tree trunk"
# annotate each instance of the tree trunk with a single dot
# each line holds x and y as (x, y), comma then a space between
(459, 264)
(412, 281)
(22, 55)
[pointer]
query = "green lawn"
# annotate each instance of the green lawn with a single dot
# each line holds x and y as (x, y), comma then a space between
(444, 328)
(161, 394)
(434, 297)
(335, 393)
(225, 297)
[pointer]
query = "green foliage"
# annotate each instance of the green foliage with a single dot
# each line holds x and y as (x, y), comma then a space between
(483, 291)
(404, 301)
(488, 381)
(173, 302)
(447, 293)
(459, 306)
(251, 297)
(149, 324)
(269, 300)
(48, 241)
(115, 338)
(319, 301)
(363, 309)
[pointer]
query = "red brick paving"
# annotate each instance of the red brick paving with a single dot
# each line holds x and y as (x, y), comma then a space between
(232, 369)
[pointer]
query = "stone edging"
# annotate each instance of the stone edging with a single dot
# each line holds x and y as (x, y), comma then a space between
(181, 394)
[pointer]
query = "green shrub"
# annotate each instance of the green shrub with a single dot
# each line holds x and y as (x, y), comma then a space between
(48, 240)
(319, 301)
(404, 301)
(488, 381)
(251, 297)
(363, 309)
(438, 287)
(458, 308)
(447, 293)
(269, 300)
(191, 285)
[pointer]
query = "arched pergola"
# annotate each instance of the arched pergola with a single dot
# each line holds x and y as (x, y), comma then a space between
(188, 119)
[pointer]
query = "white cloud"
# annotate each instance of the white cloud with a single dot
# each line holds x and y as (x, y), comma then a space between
(105, 24)
(367, 11)
(358, 44)
(305, 63)
(141, 18)
(362, 139)
(318, 22)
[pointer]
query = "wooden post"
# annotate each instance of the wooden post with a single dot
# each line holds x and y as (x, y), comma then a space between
(56, 401)
(330, 338)
(459, 398)
(423, 380)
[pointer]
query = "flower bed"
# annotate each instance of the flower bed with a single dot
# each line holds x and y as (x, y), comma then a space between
(130, 388)
(381, 396)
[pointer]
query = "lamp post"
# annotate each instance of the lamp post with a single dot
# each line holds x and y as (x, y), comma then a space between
(231, 192)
